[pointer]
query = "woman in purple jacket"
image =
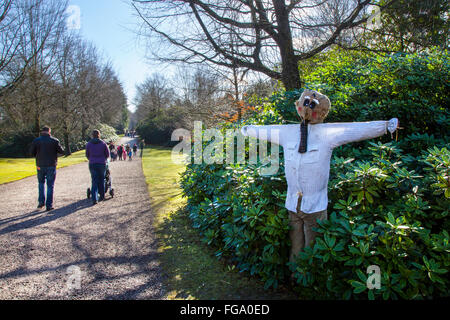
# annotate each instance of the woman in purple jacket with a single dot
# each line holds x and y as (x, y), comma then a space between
(98, 153)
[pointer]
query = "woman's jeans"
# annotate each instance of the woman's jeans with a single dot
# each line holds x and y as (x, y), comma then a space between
(49, 174)
(98, 180)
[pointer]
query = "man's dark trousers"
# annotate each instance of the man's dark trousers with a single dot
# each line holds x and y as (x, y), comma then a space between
(98, 180)
(46, 174)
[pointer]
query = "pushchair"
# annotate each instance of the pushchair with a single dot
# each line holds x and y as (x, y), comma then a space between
(113, 155)
(108, 183)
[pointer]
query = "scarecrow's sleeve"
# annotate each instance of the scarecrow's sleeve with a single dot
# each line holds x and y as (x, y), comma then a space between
(339, 134)
(272, 133)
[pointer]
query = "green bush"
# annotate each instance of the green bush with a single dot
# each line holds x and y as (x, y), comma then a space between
(413, 88)
(389, 200)
(16, 145)
(108, 133)
(157, 128)
(387, 215)
(237, 211)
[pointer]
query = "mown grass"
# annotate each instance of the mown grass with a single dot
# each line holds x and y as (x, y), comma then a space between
(16, 169)
(192, 270)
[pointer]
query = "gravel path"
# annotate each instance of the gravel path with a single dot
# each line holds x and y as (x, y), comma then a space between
(79, 251)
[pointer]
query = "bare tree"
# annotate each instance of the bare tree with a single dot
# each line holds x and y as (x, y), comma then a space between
(88, 80)
(100, 96)
(44, 27)
(37, 24)
(112, 96)
(27, 29)
(67, 110)
(153, 95)
(63, 82)
(270, 37)
(202, 94)
(11, 22)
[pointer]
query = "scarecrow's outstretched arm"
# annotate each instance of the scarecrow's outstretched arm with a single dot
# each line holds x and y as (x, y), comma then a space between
(342, 133)
(272, 133)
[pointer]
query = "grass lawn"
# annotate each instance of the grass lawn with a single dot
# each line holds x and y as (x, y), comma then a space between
(192, 270)
(16, 169)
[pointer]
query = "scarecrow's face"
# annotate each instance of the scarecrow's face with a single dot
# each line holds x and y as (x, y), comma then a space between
(313, 106)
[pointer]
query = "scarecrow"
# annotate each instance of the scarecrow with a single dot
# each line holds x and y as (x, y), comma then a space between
(307, 152)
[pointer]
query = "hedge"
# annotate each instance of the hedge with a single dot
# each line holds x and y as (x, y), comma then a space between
(388, 200)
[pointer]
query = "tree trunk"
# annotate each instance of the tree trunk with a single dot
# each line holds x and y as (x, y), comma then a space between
(84, 128)
(289, 74)
(67, 142)
(37, 101)
(236, 94)
(37, 124)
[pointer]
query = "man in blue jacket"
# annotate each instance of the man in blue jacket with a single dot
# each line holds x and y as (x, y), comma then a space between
(98, 153)
(46, 149)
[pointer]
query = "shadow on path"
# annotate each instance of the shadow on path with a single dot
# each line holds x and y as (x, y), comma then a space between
(44, 218)
(142, 266)
(24, 216)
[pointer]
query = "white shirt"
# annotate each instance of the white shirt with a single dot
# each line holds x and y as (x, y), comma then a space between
(308, 173)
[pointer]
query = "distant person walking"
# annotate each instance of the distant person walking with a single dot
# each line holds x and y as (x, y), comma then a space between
(46, 149)
(135, 149)
(113, 153)
(128, 151)
(120, 152)
(98, 153)
(142, 146)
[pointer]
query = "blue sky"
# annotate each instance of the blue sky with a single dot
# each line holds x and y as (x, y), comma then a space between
(109, 24)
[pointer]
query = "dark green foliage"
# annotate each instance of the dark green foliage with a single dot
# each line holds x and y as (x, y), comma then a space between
(412, 26)
(384, 214)
(413, 88)
(16, 145)
(237, 211)
(389, 200)
(124, 121)
(157, 128)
